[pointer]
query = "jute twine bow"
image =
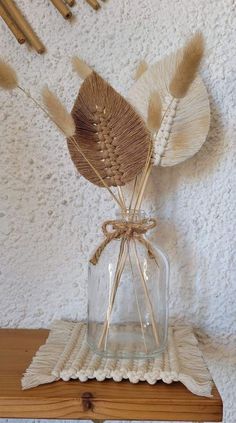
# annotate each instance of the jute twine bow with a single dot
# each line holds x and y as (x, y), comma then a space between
(125, 230)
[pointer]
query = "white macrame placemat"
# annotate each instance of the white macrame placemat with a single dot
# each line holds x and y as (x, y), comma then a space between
(66, 355)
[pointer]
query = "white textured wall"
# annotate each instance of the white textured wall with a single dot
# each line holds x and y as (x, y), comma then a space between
(48, 214)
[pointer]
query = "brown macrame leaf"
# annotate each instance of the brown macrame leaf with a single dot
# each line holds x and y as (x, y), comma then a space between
(109, 132)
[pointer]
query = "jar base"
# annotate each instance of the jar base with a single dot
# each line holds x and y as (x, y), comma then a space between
(115, 342)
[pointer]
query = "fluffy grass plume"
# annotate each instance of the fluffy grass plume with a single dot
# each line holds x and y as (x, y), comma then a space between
(142, 67)
(81, 67)
(8, 77)
(58, 113)
(154, 112)
(187, 68)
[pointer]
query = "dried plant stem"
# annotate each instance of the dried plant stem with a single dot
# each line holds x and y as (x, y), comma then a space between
(74, 143)
(123, 254)
(147, 170)
(123, 257)
(121, 263)
(119, 269)
(35, 101)
(121, 197)
(136, 299)
(143, 177)
(144, 184)
(121, 266)
(133, 193)
(149, 303)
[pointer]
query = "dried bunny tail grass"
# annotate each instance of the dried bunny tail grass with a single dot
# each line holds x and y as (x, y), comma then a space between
(58, 113)
(187, 68)
(8, 77)
(154, 112)
(142, 67)
(81, 67)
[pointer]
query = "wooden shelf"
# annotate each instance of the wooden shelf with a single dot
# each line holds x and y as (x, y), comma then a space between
(91, 400)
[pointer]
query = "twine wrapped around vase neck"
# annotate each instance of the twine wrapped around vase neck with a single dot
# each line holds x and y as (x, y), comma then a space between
(127, 230)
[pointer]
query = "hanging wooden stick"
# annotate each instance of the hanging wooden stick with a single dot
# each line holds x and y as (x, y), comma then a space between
(70, 2)
(94, 4)
(18, 34)
(62, 8)
(23, 25)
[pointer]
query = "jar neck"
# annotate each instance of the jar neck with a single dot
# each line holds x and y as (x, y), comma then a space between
(131, 215)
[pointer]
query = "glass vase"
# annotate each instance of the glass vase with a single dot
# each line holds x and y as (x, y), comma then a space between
(128, 291)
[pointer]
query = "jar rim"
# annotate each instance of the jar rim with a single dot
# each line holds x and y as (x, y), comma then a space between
(131, 214)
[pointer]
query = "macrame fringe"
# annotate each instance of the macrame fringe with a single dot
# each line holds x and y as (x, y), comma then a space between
(193, 372)
(66, 355)
(41, 369)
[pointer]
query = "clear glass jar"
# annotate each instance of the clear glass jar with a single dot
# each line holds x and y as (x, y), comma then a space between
(128, 295)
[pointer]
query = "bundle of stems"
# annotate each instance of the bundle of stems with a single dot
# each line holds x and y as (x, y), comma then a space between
(180, 83)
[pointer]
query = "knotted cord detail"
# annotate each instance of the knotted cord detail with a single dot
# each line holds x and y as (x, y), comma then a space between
(127, 230)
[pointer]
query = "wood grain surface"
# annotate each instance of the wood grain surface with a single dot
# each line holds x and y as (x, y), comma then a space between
(91, 400)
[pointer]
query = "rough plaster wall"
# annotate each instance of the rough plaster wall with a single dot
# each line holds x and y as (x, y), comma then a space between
(49, 214)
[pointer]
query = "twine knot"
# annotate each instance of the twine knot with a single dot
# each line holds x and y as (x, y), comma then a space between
(116, 229)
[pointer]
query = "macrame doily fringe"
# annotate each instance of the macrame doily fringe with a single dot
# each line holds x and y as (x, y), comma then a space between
(66, 355)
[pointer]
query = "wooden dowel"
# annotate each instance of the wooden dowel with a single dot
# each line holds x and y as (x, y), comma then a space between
(62, 8)
(70, 2)
(94, 4)
(18, 34)
(23, 25)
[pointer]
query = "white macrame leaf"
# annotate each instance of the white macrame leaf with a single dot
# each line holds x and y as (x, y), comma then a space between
(186, 122)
